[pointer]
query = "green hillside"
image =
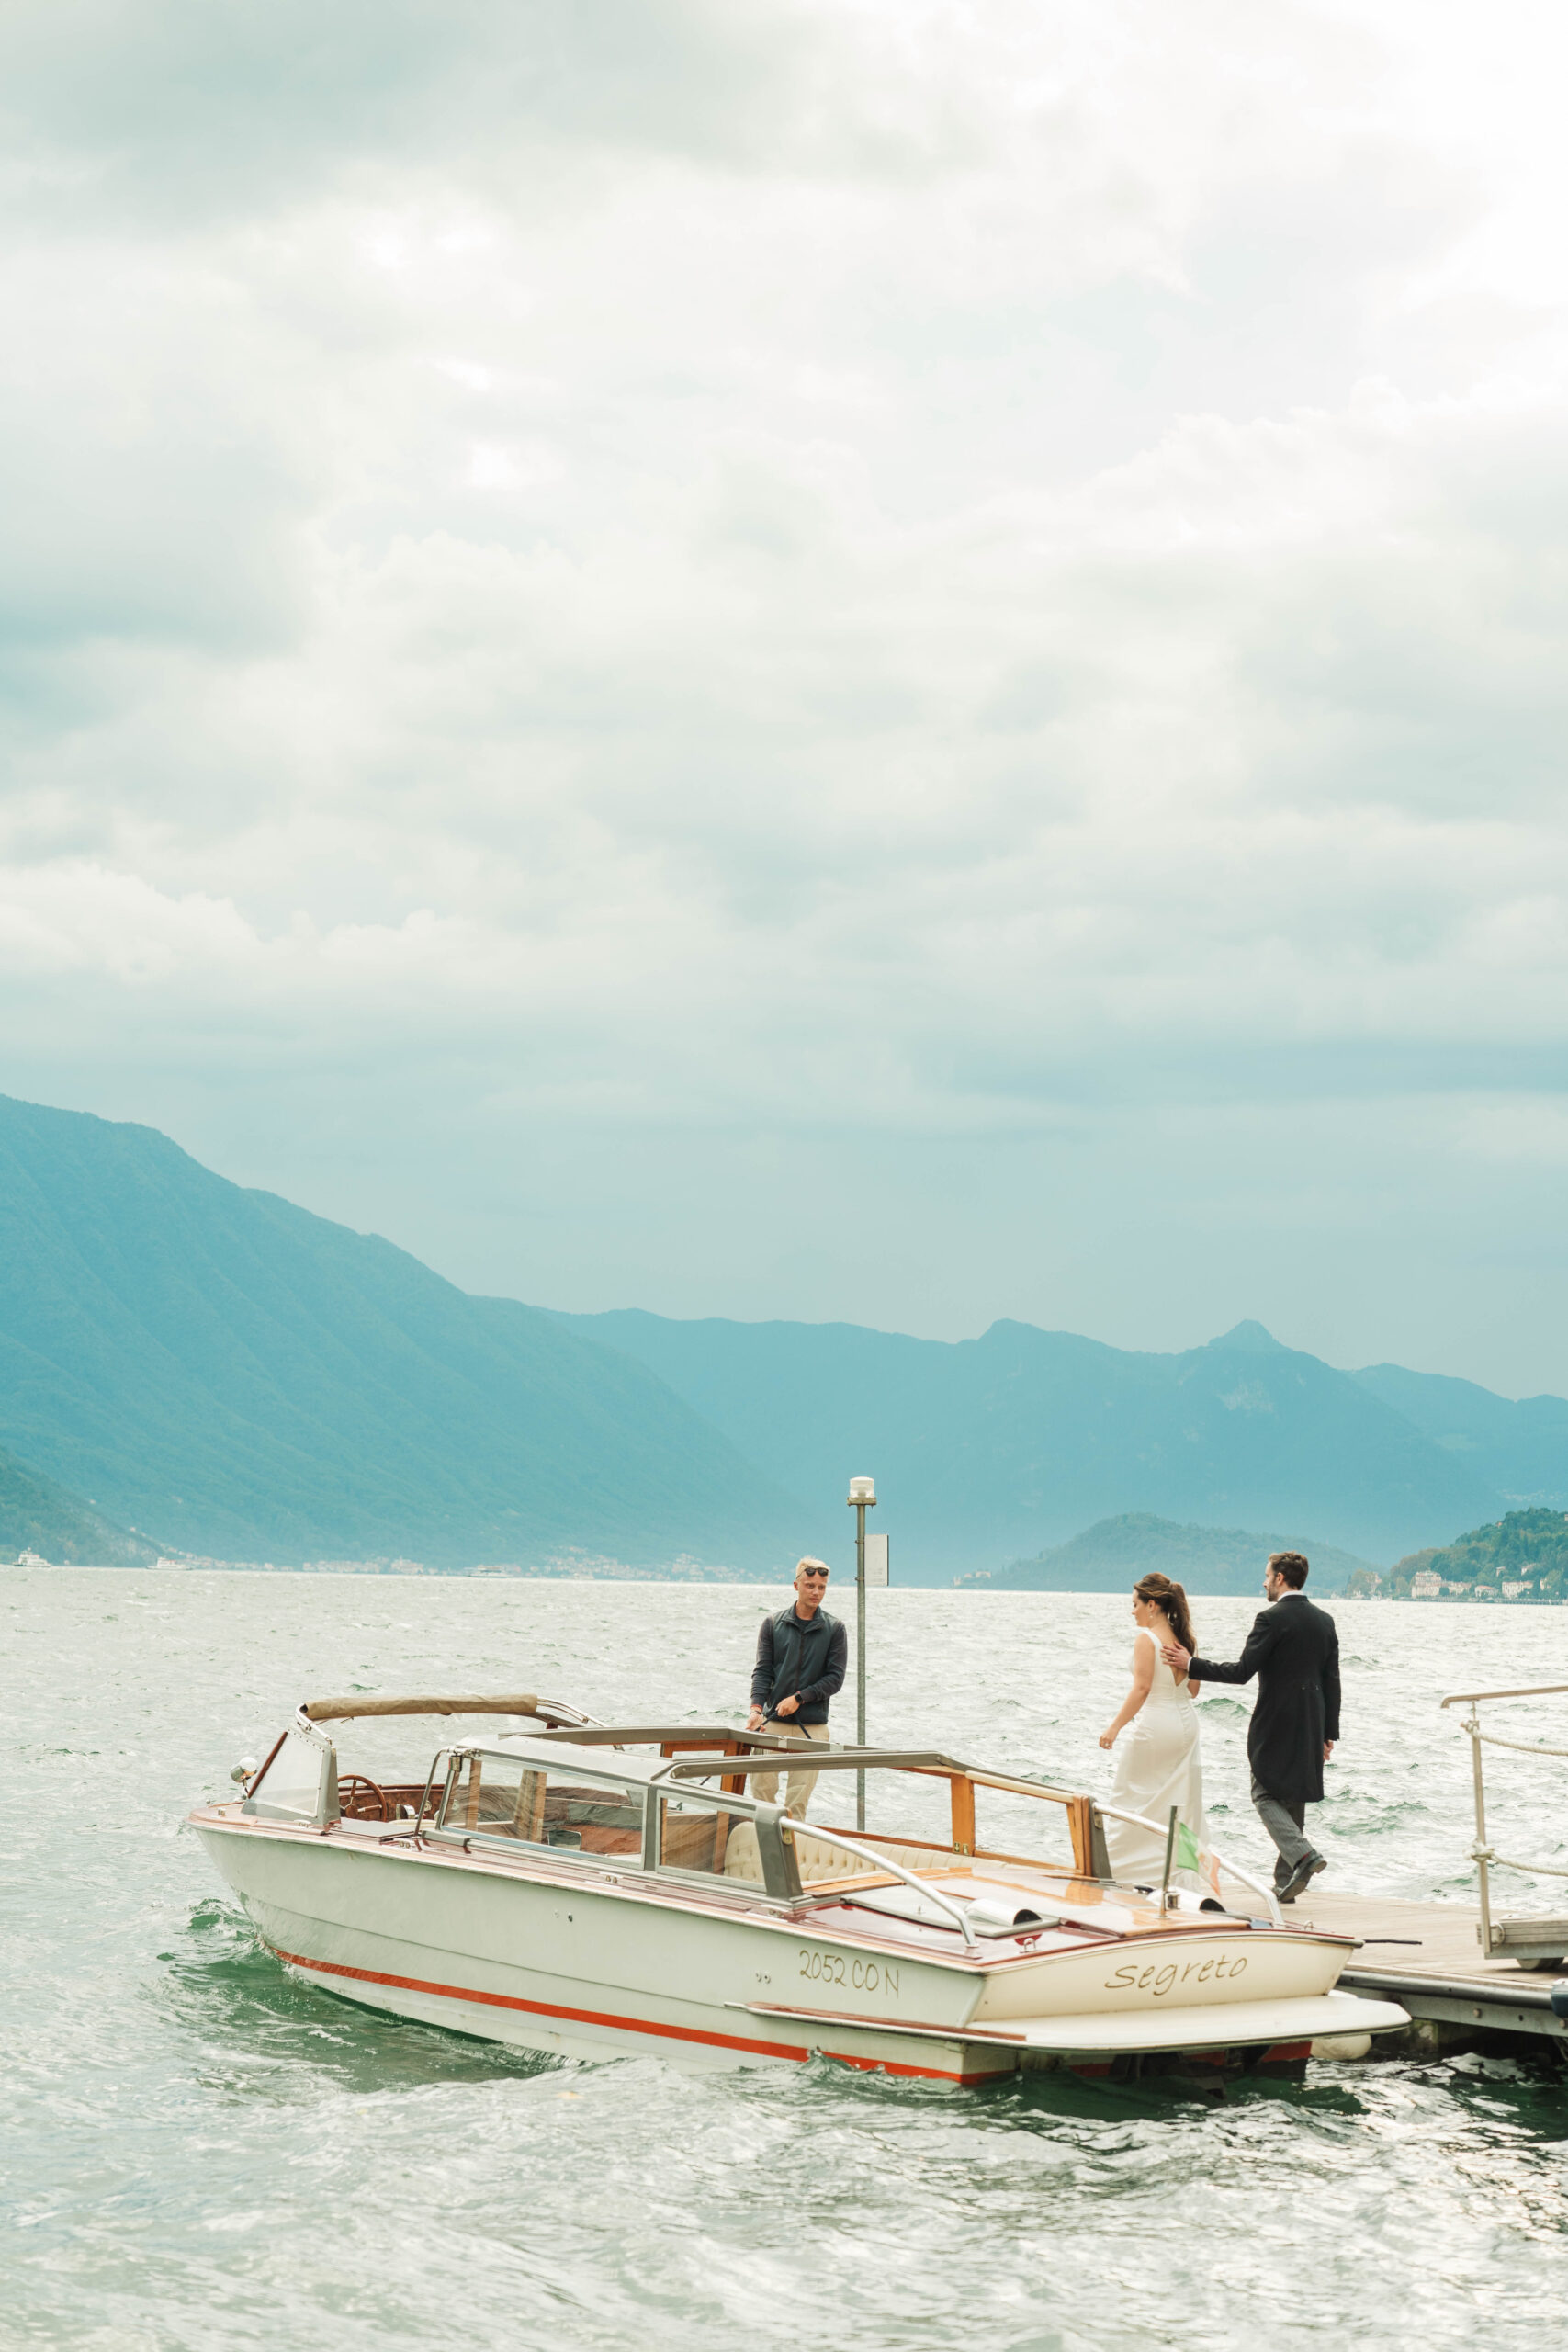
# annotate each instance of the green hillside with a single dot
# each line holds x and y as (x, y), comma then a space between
(38, 1516)
(1525, 1547)
(1111, 1555)
(252, 1382)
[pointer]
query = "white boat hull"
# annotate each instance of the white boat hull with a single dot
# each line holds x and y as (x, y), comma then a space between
(567, 1967)
(580, 1968)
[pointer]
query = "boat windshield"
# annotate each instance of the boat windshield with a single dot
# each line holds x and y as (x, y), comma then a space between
(697, 1834)
(501, 1796)
(294, 1783)
(925, 1816)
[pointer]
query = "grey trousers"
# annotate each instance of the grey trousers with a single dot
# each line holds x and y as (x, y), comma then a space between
(1285, 1823)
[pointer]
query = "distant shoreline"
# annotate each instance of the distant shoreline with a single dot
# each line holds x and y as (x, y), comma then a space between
(712, 1578)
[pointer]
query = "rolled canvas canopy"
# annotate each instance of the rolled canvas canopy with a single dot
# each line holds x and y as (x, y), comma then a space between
(323, 1710)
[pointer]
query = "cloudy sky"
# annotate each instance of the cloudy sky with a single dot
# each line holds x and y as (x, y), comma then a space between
(819, 657)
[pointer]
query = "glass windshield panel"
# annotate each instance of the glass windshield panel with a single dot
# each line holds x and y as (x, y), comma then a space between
(898, 1805)
(292, 1781)
(563, 1807)
(697, 1835)
(1005, 1823)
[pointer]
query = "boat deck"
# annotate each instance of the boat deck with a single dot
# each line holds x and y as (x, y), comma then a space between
(1428, 1956)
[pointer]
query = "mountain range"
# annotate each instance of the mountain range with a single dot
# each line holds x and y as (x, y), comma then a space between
(227, 1374)
(189, 1364)
(1112, 1554)
(988, 1449)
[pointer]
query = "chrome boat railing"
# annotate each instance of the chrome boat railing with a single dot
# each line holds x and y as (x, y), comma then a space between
(955, 1911)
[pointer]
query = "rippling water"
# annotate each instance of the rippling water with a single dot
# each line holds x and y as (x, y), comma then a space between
(200, 2154)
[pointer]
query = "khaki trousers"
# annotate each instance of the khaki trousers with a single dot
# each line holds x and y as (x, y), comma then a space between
(800, 1784)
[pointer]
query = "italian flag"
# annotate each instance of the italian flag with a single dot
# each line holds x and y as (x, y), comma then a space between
(1190, 1855)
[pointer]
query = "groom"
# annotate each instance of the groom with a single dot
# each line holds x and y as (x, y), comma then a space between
(1294, 1652)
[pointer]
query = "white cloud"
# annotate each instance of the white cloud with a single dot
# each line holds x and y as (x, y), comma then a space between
(992, 569)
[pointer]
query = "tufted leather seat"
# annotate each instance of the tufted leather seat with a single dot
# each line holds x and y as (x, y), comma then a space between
(816, 1859)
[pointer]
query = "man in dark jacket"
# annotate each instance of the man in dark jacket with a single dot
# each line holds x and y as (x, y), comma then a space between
(1294, 1652)
(801, 1657)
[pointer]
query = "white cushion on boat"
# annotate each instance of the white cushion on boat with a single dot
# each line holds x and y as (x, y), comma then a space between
(816, 1857)
(742, 1857)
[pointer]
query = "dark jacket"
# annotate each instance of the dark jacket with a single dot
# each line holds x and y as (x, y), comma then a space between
(799, 1658)
(1294, 1652)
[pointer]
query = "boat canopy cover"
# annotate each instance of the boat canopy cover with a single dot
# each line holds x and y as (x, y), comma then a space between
(323, 1710)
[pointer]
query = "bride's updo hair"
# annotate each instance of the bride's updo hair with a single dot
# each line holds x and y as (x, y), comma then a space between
(1171, 1599)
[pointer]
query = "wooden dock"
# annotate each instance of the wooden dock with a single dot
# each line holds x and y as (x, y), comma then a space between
(1428, 1957)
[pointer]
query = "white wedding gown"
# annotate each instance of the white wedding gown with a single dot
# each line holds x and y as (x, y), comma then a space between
(1157, 1765)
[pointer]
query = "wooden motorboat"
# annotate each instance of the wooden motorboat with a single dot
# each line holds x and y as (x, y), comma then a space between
(589, 1890)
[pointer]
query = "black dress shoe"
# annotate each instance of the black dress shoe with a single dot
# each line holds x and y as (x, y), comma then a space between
(1301, 1876)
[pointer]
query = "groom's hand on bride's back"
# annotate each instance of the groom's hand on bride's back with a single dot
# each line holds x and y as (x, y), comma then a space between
(1176, 1657)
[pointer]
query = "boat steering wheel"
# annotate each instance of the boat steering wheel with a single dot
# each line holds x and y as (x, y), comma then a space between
(351, 1791)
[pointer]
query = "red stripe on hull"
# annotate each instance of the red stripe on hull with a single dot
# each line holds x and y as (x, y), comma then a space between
(624, 2025)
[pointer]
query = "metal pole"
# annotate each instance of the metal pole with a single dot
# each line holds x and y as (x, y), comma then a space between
(860, 1657)
(1481, 1852)
(1169, 1858)
(861, 1498)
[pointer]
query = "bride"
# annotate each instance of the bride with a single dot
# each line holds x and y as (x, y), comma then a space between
(1159, 1766)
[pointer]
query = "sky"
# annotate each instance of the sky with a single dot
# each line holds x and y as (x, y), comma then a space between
(833, 658)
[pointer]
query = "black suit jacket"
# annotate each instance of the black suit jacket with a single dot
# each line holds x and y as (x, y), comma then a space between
(1294, 1652)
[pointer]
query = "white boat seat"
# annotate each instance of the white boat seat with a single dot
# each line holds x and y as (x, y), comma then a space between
(742, 1856)
(816, 1859)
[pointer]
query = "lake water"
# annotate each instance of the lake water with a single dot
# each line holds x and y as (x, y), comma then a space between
(200, 2154)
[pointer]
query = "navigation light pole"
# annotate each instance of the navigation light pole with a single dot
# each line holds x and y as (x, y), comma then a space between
(862, 1498)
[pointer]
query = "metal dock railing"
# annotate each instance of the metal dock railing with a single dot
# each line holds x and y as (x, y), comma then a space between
(1533, 1943)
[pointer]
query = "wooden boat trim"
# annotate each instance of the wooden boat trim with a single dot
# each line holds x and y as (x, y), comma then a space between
(1084, 1829)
